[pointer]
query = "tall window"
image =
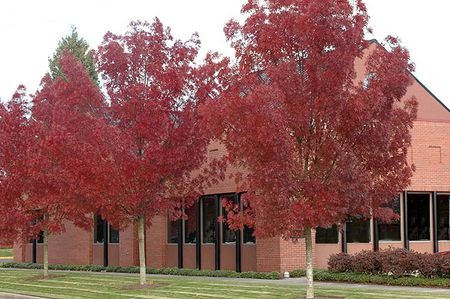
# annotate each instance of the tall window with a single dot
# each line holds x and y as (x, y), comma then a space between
(443, 219)
(99, 236)
(327, 235)
(229, 236)
(190, 224)
(208, 224)
(358, 231)
(248, 235)
(40, 238)
(209, 220)
(391, 231)
(418, 217)
(172, 231)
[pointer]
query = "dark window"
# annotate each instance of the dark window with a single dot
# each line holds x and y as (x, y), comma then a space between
(418, 217)
(190, 225)
(229, 235)
(209, 221)
(248, 235)
(99, 236)
(327, 235)
(113, 235)
(98, 229)
(40, 238)
(443, 219)
(172, 231)
(391, 231)
(358, 231)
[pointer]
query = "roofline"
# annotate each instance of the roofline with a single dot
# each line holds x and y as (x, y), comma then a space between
(374, 40)
(431, 94)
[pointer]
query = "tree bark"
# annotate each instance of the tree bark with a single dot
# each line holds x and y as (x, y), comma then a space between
(45, 253)
(309, 265)
(142, 267)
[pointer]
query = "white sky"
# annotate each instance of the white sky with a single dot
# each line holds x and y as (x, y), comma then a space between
(30, 31)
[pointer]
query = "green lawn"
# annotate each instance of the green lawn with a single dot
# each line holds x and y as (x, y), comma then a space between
(87, 285)
(6, 252)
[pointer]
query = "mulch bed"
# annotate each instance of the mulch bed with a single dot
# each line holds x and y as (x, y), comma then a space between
(138, 286)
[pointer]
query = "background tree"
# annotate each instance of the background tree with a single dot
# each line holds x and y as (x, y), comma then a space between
(80, 49)
(155, 89)
(319, 145)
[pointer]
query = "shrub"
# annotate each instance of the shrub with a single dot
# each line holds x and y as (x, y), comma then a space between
(393, 262)
(297, 273)
(381, 279)
(366, 262)
(341, 262)
(163, 271)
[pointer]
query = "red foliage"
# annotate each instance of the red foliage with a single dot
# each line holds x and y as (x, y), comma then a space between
(14, 147)
(317, 145)
(49, 152)
(155, 89)
(397, 262)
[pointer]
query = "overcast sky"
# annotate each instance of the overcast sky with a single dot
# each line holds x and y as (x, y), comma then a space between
(30, 31)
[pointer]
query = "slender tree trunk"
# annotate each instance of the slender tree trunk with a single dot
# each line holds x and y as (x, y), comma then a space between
(142, 267)
(45, 253)
(309, 264)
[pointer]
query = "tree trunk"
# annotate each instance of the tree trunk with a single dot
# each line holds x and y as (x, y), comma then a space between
(142, 267)
(45, 253)
(309, 264)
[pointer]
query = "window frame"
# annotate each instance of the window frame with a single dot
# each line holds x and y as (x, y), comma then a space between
(221, 227)
(430, 224)
(399, 222)
(110, 227)
(334, 226)
(438, 194)
(362, 220)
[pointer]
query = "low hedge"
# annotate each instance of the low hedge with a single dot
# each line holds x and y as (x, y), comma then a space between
(298, 273)
(352, 277)
(393, 262)
(163, 271)
(381, 279)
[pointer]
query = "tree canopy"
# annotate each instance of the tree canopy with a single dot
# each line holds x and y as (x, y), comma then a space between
(318, 142)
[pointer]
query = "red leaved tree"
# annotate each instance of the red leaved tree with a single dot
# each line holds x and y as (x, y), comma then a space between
(14, 147)
(318, 144)
(155, 88)
(52, 155)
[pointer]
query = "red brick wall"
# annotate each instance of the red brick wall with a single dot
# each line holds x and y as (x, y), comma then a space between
(155, 243)
(430, 153)
(127, 246)
(268, 256)
(248, 257)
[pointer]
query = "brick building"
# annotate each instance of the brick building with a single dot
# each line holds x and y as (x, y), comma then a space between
(423, 226)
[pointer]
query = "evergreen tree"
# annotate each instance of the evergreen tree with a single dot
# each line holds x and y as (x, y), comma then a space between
(80, 49)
